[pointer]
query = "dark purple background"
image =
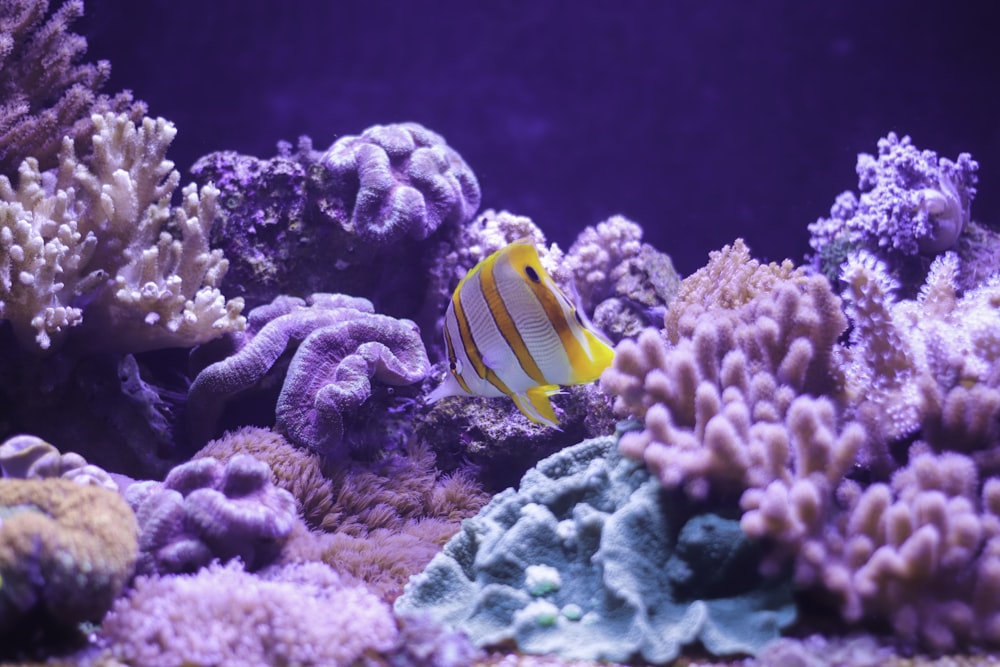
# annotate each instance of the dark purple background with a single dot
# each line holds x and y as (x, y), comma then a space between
(702, 120)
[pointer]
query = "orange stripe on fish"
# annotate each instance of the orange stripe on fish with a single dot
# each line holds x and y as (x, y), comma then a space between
(509, 330)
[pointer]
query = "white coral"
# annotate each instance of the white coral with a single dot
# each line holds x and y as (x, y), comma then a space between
(97, 244)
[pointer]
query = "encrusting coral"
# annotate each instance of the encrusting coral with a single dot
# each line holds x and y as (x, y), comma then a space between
(97, 245)
(586, 561)
(343, 350)
(45, 92)
(66, 552)
(362, 218)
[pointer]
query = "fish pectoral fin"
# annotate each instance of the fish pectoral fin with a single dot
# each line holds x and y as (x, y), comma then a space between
(535, 405)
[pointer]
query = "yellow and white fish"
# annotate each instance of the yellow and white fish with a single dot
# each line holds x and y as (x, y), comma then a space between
(510, 331)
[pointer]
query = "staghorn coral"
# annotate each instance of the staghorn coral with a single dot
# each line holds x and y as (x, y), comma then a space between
(719, 403)
(912, 203)
(584, 561)
(207, 510)
(932, 362)
(341, 346)
(296, 615)
(30, 457)
(66, 552)
(46, 93)
(97, 245)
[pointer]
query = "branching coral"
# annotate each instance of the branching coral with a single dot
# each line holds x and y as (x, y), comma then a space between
(45, 92)
(817, 435)
(341, 347)
(66, 552)
(98, 244)
(722, 404)
(205, 509)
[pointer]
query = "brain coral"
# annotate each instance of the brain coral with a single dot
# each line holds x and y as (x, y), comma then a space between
(66, 552)
(398, 181)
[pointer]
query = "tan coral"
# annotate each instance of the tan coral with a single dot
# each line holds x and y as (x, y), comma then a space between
(97, 244)
(66, 551)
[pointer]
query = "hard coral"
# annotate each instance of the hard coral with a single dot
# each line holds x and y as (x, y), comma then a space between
(298, 615)
(341, 347)
(205, 510)
(30, 457)
(97, 244)
(294, 469)
(584, 562)
(397, 181)
(66, 552)
(46, 93)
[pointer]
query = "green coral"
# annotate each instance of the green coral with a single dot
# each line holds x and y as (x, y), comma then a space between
(633, 580)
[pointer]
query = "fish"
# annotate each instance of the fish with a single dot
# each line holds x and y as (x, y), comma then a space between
(511, 331)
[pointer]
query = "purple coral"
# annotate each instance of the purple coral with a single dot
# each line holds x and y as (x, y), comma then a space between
(205, 510)
(46, 93)
(399, 181)
(342, 347)
(297, 615)
(911, 202)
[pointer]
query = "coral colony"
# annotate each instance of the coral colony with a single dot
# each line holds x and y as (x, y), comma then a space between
(774, 449)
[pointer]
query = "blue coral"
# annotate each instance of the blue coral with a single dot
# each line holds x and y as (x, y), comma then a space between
(586, 561)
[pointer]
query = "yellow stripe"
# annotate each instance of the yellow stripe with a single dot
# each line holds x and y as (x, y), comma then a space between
(505, 323)
(465, 333)
(546, 293)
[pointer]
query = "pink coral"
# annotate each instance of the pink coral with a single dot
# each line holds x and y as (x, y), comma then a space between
(300, 614)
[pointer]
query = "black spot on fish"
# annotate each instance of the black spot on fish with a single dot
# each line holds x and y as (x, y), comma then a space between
(532, 274)
(579, 319)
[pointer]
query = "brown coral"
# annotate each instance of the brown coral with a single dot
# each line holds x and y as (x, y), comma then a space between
(66, 552)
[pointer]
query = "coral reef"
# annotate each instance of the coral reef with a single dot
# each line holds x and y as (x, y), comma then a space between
(868, 461)
(342, 351)
(46, 92)
(90, 245)
(66, 552)
(297, 615)
(585, 561)
(728, 404)
(350, 219)
(912, 205)
(207, 510)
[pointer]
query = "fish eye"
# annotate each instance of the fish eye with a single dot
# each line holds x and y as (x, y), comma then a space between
(453, 367)
(532, 274)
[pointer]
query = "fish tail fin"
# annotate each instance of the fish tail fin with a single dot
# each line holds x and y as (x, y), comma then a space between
(535, 405)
